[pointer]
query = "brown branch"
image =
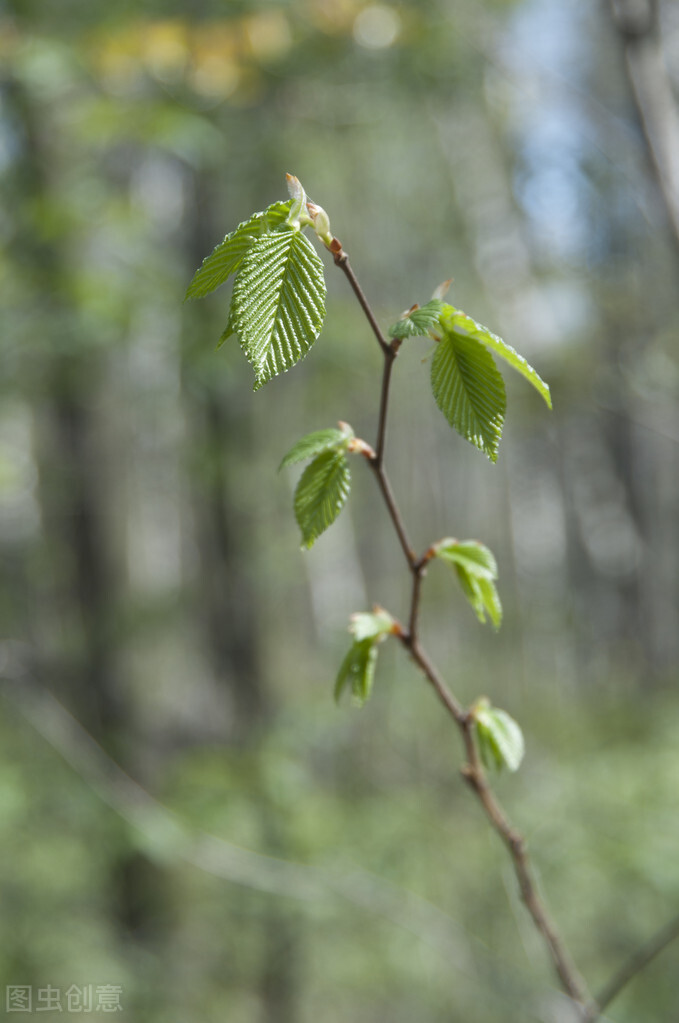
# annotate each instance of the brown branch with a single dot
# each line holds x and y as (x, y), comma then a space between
(392, 508)
(637, 962)
(472, 771)
(342, 261)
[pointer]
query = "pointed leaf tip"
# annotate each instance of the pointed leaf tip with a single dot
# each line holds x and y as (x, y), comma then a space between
(456, 322)
(441, 291)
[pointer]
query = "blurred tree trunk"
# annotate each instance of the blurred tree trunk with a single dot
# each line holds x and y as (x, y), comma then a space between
(80, 575)
(76, 650)
(635, 450)
(638, 26)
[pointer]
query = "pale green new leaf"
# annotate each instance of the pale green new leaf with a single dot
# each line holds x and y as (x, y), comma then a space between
(278, 302)
(321, 492)
(418, 322)
(501, 741)
(455, 321)
(358, 670)
(473, 556)
(490, 599)
(469, 390)
(228, 255)
(482, 595)
(315, 443)
(372, 625)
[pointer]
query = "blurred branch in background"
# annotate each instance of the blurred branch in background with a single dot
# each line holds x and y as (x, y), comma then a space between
(637, 962)
(638, 25)
(168, 840)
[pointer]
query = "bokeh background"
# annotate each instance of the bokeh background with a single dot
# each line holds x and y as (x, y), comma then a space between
(184, 811)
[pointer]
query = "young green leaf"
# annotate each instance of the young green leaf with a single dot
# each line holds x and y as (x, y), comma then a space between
(419, 321)
(225, 259)
(469, 390)
(321, 492)
(476, 570)
(456, 322)
(278, 302)
(317, 442)
(298, 196)
(358, 670)
(500, 738)
(482, 595)
(473, 556)
(489, 600)
(368, 628)
(373, 625)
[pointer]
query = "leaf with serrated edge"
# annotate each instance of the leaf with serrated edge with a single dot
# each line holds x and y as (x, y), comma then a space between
(278, 302)
(469, 390)
(228, 332)
(315, 443)
(320, 495)
(472, 555)
(418, 322)
(226, 257)
(373, 625)
(500, 738)
(455, 320)
(358, 669)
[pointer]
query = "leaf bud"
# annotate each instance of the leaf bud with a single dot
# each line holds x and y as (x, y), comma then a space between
(320, 221)
(298, 195)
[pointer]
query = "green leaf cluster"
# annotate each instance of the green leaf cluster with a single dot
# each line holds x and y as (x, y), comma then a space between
(324, 485)
(278, 300)
(357, 670)
(500, 738)
(476, 570)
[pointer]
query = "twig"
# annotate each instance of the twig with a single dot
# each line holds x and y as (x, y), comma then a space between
(472, 771)
(637, 962)
(342, 261)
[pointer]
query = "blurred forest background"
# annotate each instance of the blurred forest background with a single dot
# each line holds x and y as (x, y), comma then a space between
(275, 858)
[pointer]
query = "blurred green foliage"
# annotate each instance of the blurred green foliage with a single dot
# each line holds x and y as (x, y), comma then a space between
(152, 578)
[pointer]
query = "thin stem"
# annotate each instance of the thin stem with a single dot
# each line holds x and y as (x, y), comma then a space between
(638, 961)
(342, 261)
(392, 508)
(390, 353)
(415, 600)
(472, 771)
